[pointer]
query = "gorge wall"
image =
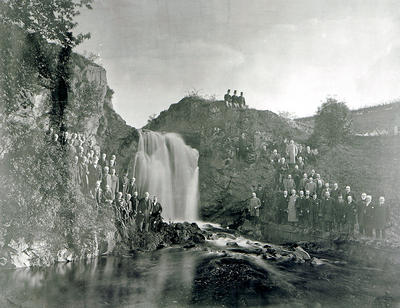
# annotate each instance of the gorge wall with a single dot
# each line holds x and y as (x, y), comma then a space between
(44, 216)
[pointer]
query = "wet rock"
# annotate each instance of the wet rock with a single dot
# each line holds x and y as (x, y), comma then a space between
(317, 262)
(189, 245)
(232, 244)
(244, 284)
(301, 253)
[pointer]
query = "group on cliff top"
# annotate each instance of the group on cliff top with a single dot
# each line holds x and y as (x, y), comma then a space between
(303, 198)
(234, 101)
(98, 179)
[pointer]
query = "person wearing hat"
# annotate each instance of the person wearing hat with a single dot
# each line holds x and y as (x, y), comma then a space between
(235, 99)
(241, 101)
(228, 98)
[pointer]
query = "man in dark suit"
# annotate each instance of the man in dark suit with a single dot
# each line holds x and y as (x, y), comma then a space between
(235, 99)
(135, 204)
(361, 212)
(241, 100)
(335, 192)
(155, 217)
(281, 207)
(98, 194)
(144, 209)
(303, 182)
(124, 183)
(132, 186)
(327, 210)
(348, 192)
(103, 161)
(108, 197)
(228, 98)
(106, 180)
(114, 182)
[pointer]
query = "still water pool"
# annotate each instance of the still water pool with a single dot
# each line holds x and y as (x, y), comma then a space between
(176, 277)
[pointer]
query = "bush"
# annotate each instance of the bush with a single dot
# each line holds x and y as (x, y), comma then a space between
(332, 123)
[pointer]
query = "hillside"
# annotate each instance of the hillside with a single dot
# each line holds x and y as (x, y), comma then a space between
(231, 165)
(375, 120)
(231, 143)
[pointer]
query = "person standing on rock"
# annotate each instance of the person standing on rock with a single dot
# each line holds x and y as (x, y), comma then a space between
(339, 213)
(303, 183)
(155, 217)
(274, 158)
(135, 205)
(143, 213)
(292, 214)
(327, 210)
(241, 101)
(124, 184)
(106, 180)
(283, 169)
(103, 161)
(132, 186)
(369, 217)
(108, 196)
(292, 151)
(300, 207)
(281, 205)
(381, 218)
(228, 98)
(235, 99)
(348, 192)
(300, 163)
(361, 213)
(288, 183)
(114, 182)
(315, 212)
(307, 207)
(98, 194)
(335, 192)
(311, 186)
(113, 162)
(350, 215)
(254, 207)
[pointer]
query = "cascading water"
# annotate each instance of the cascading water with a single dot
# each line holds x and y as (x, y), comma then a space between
(167, 168)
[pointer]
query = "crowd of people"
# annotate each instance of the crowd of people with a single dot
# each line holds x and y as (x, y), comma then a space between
(234, 101)
(97, 177)
(304, 198)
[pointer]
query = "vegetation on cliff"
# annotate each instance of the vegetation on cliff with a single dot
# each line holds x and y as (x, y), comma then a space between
(44, 216)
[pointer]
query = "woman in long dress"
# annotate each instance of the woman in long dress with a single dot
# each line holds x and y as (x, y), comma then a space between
(292, 215)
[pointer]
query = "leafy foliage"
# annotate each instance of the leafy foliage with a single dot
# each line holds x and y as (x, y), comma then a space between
(51, 19)
(332, 122)
(38, 198)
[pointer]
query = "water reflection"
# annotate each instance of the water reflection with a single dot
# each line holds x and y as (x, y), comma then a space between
(163, 278)
(175, 277)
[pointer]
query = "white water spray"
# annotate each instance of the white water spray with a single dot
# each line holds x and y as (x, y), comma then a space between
(167, 168)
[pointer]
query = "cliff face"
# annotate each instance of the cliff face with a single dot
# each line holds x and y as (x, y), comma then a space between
(65, 228)
(234, 146)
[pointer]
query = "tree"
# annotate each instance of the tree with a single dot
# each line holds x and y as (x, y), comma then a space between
(43, 22)
(333, 122)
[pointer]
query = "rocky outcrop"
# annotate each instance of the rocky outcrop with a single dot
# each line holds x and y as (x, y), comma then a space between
(186, 235)
(89, 112)
(231, 142)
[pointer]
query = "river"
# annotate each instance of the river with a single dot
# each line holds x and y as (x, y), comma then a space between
(205, 276)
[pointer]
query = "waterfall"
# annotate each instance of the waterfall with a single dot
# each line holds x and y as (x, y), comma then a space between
(167, 168)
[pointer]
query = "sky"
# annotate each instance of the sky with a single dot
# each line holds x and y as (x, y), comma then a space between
(284, 55)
